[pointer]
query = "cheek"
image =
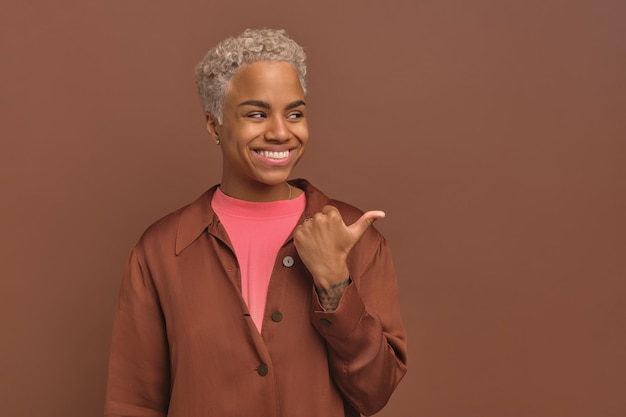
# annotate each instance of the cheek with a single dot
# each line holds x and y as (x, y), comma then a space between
(236, 137)
(302, 132)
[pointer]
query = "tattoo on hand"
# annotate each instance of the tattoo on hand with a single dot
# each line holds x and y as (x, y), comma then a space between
(329, 297)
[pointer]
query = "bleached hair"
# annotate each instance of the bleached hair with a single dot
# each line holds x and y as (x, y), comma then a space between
(220, 64)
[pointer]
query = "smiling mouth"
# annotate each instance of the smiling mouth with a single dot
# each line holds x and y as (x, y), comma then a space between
(273, 155)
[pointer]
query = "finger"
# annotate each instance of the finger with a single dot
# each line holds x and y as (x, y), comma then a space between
(329, 209)
(328, 215)
(366, 220)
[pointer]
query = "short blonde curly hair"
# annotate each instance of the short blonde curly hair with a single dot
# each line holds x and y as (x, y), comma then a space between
(220, 64)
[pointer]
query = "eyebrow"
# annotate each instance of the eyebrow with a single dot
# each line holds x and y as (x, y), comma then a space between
(265, 105)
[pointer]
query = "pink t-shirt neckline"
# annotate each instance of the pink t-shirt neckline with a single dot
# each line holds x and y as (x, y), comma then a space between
(257, 210)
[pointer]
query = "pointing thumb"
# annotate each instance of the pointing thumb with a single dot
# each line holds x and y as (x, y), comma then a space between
(360, 226)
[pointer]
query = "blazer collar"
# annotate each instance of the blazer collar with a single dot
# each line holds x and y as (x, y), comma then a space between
(195, 219)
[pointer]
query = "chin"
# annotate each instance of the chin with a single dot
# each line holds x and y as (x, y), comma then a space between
(274, 181)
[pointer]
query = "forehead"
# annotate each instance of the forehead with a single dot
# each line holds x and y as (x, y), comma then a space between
(264, 80)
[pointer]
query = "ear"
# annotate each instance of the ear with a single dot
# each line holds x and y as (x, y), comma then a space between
(212, 126)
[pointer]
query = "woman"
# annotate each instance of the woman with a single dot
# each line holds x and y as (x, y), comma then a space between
(263, 297)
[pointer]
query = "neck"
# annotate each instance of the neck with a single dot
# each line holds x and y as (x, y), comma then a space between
(282, 191)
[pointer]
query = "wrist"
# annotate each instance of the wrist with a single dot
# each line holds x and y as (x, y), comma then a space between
(330, 296)
(327, 277)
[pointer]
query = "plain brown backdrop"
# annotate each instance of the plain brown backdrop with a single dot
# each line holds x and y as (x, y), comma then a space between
(493, 133)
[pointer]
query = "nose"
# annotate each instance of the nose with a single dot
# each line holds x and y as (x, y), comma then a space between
(277, 130)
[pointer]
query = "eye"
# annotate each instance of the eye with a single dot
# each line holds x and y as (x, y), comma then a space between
(295, 115)
(256, 115)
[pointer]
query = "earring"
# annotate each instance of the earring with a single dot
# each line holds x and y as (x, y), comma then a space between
(217, 141)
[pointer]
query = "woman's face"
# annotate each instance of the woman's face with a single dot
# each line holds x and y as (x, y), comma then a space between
(264, 131)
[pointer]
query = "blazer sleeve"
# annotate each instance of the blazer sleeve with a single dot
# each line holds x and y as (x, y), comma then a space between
(365, 335)
(139, 373)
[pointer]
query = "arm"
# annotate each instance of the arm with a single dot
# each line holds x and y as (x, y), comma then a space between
(139, 375)
(364, 332)
(365, 336)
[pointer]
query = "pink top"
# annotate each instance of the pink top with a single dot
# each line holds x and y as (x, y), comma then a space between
(257, 230)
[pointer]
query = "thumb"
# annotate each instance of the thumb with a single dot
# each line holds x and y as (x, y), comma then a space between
(360, 226)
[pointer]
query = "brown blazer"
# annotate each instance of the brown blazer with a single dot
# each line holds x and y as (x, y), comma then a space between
(184, 344)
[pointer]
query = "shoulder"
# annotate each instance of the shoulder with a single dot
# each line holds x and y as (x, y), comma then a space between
(192, 218)
(166, 225)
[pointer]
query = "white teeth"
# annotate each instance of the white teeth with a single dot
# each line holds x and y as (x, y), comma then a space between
(274, 155)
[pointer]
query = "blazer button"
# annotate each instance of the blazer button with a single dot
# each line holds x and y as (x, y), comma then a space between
(288, 261)
(262, 369)
(277, 316)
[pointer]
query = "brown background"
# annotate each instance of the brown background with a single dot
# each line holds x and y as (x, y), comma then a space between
(492, 132)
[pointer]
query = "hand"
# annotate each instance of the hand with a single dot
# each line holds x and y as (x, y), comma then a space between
(324, 242)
